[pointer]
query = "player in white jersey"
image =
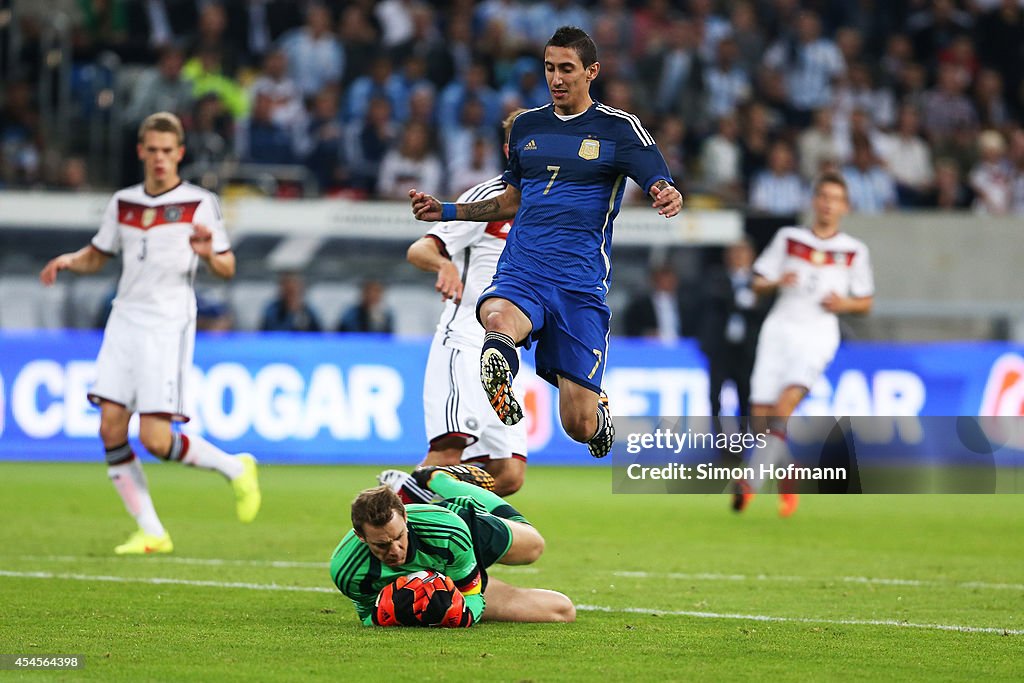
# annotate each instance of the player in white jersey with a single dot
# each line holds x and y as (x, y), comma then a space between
(818, 274)
(461, 425)
(162, 229)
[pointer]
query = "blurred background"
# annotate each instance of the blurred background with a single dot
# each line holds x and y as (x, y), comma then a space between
(312, 120)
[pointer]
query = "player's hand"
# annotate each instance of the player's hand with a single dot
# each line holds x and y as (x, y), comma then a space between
(789, 279)
(425, 207)
(201, 241)
(667, 199)
(449, 284)
(48, 275)
(833, 303)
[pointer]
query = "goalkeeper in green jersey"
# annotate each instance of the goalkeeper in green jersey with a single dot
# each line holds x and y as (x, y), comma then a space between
(468, 531)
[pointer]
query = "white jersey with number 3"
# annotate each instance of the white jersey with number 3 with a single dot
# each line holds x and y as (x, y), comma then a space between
(151, 232)
(474, 248)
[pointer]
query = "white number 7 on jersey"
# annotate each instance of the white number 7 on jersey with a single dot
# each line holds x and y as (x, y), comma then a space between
(554, 174)
(597, 352)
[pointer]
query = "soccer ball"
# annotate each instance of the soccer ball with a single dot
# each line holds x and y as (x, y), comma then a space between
(424, 598)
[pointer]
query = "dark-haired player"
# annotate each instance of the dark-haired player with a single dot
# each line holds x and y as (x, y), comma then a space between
(568, 162)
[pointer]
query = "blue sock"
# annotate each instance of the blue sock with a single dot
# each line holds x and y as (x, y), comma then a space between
(506, 346)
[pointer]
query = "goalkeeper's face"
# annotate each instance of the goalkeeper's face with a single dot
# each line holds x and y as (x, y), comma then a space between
(388, 543)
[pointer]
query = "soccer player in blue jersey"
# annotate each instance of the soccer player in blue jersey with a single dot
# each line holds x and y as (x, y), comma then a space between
(567, 166)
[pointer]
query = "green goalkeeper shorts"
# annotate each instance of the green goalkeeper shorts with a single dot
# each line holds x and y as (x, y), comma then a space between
(492, 536)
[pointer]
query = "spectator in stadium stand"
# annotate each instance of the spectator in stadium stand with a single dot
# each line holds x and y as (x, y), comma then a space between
(992, 177)
(367, 141)
(950, 193)
(817, 143)
(209, 138)
(870, 187)
(909, 159)
(525, 87)
(289, 312)
(206, 75)
(755, 141)
(21, 136)
(156, 24)
(73, 175)
(730, 319)
(720, 161)
(256, 24)
(945, 106)
(674, 75)
(260, 139)
(671, 137)
(316, 58)
(371, 314)
(989, 101)
(381, 81)
(211, 33)
(778, 190)
(728, 85)
(324, 141)
(475, 84)
(1001, 45)
(899, 53)
(396, 22)
(933, 28)
(858, 91)
(159, 88)
(360, 37)
(749, 38)
(660, 313)
(413, 163)
(482, 164)
(286, 102)
(810, 64)
(711, 27)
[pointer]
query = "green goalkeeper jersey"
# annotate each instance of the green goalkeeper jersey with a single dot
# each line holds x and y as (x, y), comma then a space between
(439, 540)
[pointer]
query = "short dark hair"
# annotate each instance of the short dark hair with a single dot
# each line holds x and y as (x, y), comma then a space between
(832, 178)
(576, 38)
(375, 507)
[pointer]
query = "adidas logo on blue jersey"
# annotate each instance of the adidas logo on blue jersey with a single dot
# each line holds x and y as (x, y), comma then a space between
(531, 146)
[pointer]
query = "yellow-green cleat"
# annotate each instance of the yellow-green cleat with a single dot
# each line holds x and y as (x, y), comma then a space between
(141, 543)
(247, 490)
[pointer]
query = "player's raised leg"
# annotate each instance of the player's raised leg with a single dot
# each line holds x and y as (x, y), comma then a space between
(586, 416)
(505, 326)
(125, 472)
(512, 603)
(163, 442)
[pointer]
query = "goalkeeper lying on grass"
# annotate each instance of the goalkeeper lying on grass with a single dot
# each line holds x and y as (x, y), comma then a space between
(458, 538)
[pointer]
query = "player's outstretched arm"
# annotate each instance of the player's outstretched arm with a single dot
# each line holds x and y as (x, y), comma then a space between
(667, 199)
(500, 208)
(425, 254)
(86, 260)
(222, 265)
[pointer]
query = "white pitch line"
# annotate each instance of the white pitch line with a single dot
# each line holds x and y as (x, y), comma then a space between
(218, 562)
(159, 581)
(697, 576)
(805, 620)
(914, 583)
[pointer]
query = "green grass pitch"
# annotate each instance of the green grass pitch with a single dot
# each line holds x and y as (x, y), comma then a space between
(670, 587)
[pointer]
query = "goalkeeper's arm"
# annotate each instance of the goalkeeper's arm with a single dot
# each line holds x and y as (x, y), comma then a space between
(472, 592)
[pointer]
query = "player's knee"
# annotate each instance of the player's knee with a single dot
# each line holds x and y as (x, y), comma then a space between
(157, 445)
(580, 427)
(507, 483)
(534, 548)
(112, 432)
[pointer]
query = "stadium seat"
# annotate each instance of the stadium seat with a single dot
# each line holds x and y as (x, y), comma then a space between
(330, 300)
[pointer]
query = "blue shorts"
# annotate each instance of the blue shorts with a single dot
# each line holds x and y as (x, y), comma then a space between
(570, 328)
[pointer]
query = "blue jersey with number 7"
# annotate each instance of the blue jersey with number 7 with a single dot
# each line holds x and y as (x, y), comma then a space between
(571, 175)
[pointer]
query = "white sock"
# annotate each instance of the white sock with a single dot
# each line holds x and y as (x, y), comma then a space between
(130, 481)
(198, 452)
(775, 452)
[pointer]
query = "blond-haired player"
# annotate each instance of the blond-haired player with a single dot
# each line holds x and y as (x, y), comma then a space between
(162, 229)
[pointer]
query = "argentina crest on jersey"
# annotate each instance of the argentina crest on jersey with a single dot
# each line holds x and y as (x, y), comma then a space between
(590, 149)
